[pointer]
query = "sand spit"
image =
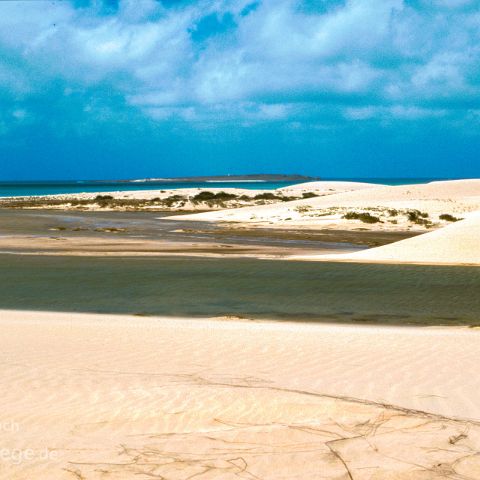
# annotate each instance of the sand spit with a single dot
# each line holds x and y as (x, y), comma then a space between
(181, 200)
(125, 247)
(94, 397)
(458, 243)
(390, 204)
(330, 188)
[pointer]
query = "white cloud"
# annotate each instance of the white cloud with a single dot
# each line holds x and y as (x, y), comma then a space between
(414, 113)
(278, 61)
(401, 112)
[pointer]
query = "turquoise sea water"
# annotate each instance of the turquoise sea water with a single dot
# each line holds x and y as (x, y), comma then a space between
(19, 189)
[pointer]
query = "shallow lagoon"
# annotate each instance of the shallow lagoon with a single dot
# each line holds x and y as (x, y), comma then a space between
(190, 286)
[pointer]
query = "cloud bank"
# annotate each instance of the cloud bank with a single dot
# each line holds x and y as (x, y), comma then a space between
(258, 61)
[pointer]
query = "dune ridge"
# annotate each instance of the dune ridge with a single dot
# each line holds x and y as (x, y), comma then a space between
(458, 243)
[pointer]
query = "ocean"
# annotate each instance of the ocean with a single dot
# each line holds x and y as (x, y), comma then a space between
(20, 189)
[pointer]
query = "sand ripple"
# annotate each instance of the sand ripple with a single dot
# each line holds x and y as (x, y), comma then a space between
(103, 397)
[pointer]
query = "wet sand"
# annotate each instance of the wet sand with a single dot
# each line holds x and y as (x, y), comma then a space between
(142, 233)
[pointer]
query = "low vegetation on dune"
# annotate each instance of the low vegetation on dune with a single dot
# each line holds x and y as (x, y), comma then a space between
(365, 217)
(203, 200)
(419, 218)
(398, 216)
(101, 201)
(172, 201)
(212, 200)
(207, 196)
(449, 218)
(273, 196)
(309, 195)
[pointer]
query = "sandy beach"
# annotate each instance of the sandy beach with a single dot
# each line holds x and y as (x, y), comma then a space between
(93, 397)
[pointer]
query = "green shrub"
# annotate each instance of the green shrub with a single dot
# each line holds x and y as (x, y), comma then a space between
(206, 196)
(365, 217)
(103, 200)
(416, 216)
(266, 196)
(203, 196)
(448, 217)
(303, 209)
(224, 196)
(169, 201)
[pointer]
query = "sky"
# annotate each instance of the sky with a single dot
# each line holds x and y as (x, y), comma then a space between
(164, 88)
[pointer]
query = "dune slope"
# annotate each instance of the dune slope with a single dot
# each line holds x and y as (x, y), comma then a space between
(458, 243)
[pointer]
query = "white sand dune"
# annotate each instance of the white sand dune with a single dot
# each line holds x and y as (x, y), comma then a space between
(112, 397)
(458, 243)
(455, 197)
(327, 187)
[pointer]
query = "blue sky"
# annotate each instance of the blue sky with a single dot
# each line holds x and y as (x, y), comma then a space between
(148, 88)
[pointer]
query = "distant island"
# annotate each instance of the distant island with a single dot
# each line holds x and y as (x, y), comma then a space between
(222, 178)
